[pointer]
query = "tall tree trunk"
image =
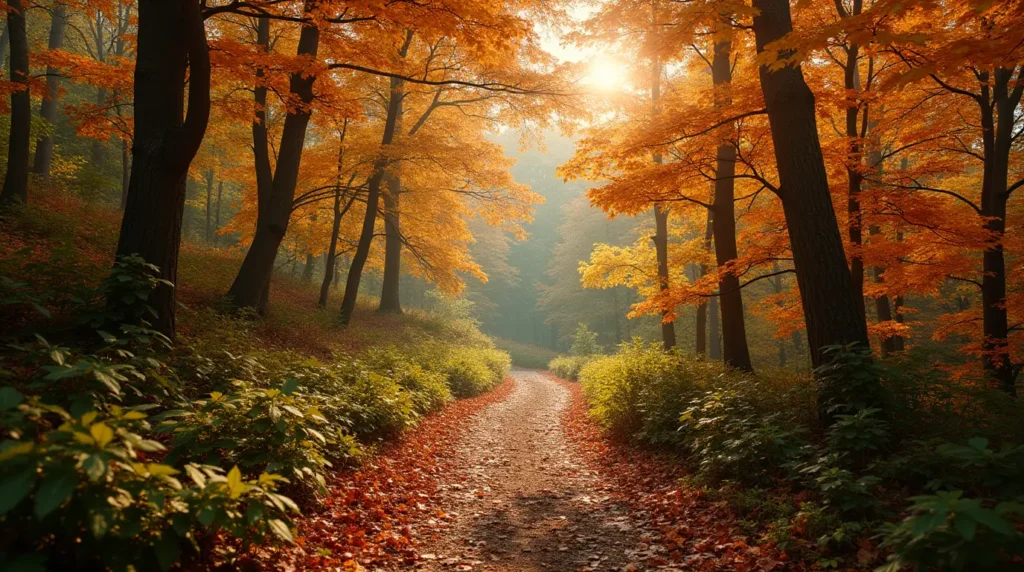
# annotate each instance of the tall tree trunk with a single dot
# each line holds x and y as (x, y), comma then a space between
(209, 205)
(777, 283)
(308, 268)
(390, 301)
(734, 333)
(854, 177)
(48, 108)
(220, 195)
(126, 172)
(355, 271)
(171, 38)
(702, 310)
(96, 148)
(253, 279)
(332, 253)
(5, 40)
(668, 331)
(997, 122)
(826, 288)
(714, 336)
(15, 189)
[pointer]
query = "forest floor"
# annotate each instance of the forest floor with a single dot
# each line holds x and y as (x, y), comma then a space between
(520, 480)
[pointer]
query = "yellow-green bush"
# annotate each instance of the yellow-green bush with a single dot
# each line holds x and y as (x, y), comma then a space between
(471, 371)
(569, 367)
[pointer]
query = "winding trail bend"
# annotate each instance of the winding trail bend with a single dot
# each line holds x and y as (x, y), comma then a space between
(527, 500)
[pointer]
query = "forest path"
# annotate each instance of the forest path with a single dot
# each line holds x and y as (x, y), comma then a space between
(528, 501)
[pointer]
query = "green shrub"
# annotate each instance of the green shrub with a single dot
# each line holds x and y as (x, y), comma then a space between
(260, 430)
(82, 492)
(470, 371)
(569, 367)
(729, 436)
(948, 531)
(584, 342)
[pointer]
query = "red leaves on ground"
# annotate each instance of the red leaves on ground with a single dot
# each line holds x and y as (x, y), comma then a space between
(373, 514)
(698, 534)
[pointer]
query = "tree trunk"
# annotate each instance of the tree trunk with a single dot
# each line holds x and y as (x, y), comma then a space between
(734, 334)
(220, 195)
(777, 283)
(355, 271)
(209, 205)
(253, 279)
(668, 331)
(5, 40)
(15, 189)
(126, 172)
(997, 122)
(855, 179)
(826, 288)
(702, 310)
(390, 301)
(96, 148)
(332, 253)
(308, 268)
(714, 337)
(171, 38)
(48, 108)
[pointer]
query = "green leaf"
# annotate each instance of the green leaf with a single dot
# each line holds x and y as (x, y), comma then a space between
(206, 515)
(966, 526)
(94, 466)
(55, 489)
(14, 488)
(281, 529)
(992, 520)
(10, 398)
(289, 386)
(978, 443)
(166, 550)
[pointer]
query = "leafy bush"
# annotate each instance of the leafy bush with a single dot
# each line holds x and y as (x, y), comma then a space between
(584, 342)
(259, 430)
(467, 372)
(729, 437)
(948, 531)
(81, 491)
(569, 367)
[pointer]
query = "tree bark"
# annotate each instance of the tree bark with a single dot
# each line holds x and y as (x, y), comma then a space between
(96, 153)
(15, 189)
(209, 205)
(48, 108)
(668, 331)
(220, 195)
(826, 287)
(997, 122)
(253, 279)
(171, 38)
(126, 172)
(714, 337)
(355, 272)
(390, 301)
(702, 310)
(734, 335)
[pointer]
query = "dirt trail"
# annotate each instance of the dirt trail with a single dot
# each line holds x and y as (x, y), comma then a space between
(528, 502)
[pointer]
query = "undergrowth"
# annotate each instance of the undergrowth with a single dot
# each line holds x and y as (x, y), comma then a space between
(122, 449)
(931, 480)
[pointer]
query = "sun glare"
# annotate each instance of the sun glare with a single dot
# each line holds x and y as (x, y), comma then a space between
(605, 74)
